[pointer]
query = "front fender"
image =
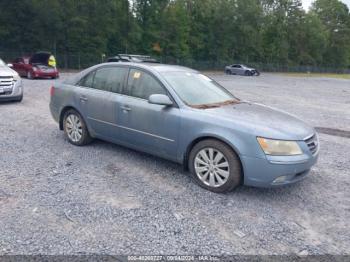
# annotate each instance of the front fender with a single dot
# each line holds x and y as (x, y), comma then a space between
(244, 144)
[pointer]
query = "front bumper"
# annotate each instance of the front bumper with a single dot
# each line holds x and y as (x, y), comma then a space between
(276, 171)
(41, 74)
(13, 92)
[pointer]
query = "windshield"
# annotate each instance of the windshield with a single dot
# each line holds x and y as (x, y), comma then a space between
(2, 63)
(198, 90)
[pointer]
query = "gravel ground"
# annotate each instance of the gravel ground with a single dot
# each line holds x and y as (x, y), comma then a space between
(59, 199)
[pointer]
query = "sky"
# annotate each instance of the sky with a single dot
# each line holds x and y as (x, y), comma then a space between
(307, 3)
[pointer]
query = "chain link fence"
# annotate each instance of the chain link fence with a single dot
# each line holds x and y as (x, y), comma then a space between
(79, 61)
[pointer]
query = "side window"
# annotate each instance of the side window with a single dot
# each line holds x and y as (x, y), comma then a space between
(142, 85)
(87, 80)
(110, 79)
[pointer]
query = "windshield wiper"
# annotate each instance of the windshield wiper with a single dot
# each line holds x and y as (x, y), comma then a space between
(206, 106)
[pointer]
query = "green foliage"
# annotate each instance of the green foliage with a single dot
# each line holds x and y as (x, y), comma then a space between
(216, 31)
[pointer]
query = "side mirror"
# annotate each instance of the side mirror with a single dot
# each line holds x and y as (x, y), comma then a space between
(159, 99)
(10, 65)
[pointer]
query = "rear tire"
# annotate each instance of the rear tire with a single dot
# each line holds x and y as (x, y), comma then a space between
(75, 128)
(215, 166)
(228, 72)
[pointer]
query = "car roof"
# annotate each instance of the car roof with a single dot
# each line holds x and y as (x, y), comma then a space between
(155, 67)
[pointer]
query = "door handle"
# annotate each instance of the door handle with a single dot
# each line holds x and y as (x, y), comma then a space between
(83, 99)
(125, 108)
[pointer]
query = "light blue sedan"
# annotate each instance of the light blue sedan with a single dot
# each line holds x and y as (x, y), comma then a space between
(184, 116)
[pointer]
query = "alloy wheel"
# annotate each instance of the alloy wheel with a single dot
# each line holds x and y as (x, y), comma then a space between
(74, 128)
(212, 167)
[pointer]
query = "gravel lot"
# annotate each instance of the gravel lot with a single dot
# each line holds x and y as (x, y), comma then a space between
(59, 199)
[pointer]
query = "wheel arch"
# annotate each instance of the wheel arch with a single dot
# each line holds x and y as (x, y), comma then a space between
(63, 112)
(206, 137)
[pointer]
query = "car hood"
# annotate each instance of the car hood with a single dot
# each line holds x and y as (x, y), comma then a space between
(6, 71)
(264, 121)
(40, 58)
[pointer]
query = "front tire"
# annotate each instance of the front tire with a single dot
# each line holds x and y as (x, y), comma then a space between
(75, 128)
(248, 73)
(215, 166)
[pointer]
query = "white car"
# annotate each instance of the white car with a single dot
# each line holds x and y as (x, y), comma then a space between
(11, 86)
(237, 69)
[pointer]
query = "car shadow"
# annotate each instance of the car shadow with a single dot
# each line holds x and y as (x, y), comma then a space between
(177, 169)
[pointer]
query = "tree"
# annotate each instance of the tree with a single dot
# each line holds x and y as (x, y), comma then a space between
(336, 20)
(211, 32)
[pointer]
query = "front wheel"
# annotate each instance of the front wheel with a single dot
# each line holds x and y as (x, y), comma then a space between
(215, 166)
(75, 129)
(248, 73)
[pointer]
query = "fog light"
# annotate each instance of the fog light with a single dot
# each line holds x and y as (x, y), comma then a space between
(280, 180)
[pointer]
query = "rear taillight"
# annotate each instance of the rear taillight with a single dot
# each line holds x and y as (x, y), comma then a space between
(52, 90)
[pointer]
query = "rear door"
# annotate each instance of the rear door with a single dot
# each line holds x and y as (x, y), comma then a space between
(148, 127)
(99, 100)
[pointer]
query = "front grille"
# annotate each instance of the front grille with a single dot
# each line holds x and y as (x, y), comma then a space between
(6, 81)
(312, 144)
(6, 85)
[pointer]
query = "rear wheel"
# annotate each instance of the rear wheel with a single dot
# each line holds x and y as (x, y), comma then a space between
(215, 166)
(75, 128)
(228, 72)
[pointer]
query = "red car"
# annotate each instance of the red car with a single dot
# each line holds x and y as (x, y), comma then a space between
(37, 66)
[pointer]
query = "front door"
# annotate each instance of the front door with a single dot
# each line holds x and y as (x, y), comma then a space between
(148, 127)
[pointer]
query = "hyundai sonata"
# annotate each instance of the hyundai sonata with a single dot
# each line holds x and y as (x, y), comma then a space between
(182, 115)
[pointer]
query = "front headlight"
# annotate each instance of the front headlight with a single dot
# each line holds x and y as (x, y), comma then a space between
(16, 78)
(279, 147)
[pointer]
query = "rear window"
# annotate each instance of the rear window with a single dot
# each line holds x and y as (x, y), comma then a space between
(88, 80)
(109, 79)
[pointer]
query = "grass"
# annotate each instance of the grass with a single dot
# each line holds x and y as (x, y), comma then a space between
(339, 76)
